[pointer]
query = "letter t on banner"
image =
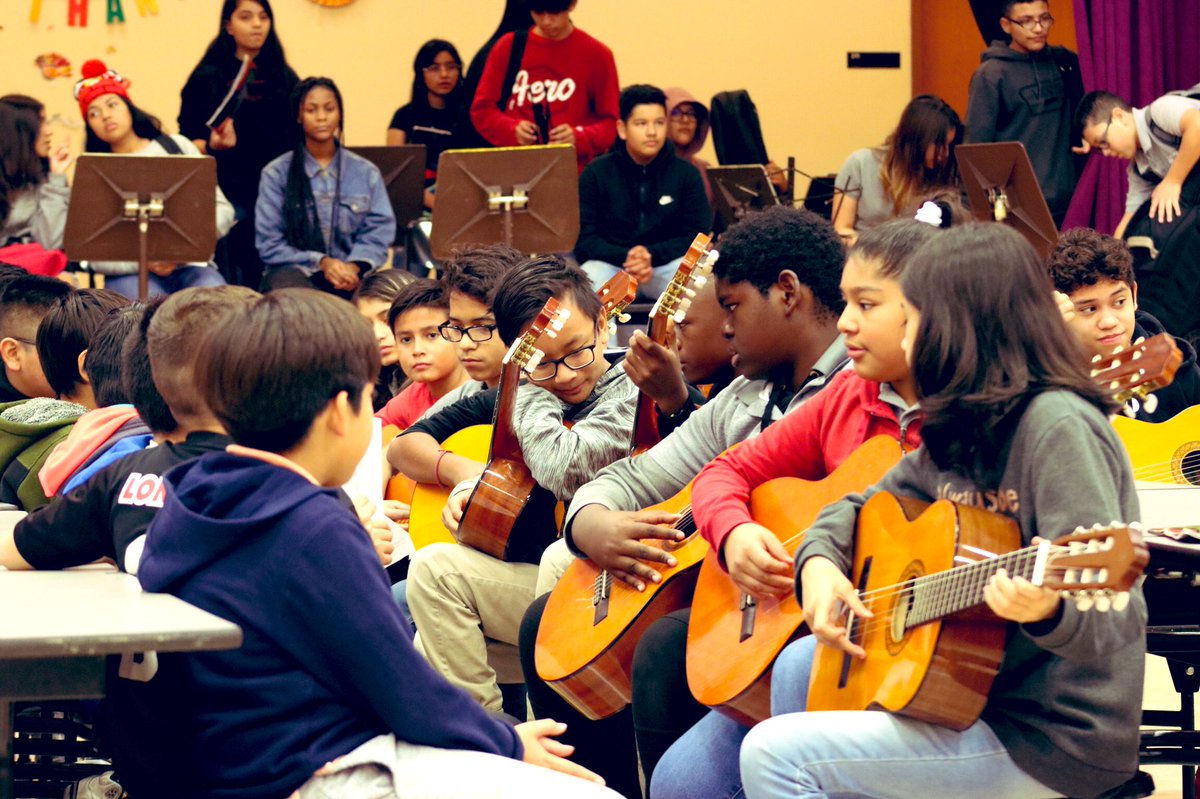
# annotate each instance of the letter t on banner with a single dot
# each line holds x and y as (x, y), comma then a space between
(77, 13)
(115, 12)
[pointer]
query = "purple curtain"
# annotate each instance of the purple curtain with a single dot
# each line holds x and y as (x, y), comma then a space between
(1138, 50)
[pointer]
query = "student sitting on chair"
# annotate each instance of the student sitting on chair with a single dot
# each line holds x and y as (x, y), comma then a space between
(326, 696)
(116, 125)
(640, 206)
(323, 218)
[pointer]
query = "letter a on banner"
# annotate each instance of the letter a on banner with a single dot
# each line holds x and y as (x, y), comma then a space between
(77, 13)
(115, 12)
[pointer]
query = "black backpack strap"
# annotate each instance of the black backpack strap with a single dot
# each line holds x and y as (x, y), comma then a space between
(514, 66)
(170, 145)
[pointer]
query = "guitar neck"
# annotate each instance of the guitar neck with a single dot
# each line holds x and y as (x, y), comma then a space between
(645, 419)
(935, 596)
(505, 444)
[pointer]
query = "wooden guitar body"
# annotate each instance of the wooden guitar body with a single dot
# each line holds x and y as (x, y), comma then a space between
(425, 519)
(732, 640)
(508, 516)
(942, 670)
(593, 621)
(1167, 452)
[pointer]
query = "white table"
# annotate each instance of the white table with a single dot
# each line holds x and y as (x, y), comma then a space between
(56, 628)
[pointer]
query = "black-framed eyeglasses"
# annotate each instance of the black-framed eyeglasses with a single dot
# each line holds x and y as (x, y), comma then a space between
(474, 332)
(1030, 24)
(581, 358)
(683, 113)
(28, 341)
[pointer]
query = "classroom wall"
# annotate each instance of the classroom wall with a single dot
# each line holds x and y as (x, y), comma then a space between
(790, 55)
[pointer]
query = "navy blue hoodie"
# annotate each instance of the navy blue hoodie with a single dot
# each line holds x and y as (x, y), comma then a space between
(327, 662)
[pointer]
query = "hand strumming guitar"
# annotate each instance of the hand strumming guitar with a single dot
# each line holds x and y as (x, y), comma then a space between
(826, 593)
(612, 540)
(757, 562)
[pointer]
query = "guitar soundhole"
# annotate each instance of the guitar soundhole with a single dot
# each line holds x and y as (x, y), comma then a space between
(671, 546)
(901, 606)
(1189, 465)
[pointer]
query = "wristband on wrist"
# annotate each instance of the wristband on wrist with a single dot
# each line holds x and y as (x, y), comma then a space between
(437, 466)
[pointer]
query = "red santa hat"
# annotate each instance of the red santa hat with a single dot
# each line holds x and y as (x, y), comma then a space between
(98, 80)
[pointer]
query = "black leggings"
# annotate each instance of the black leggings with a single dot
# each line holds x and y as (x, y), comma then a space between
(663, 708)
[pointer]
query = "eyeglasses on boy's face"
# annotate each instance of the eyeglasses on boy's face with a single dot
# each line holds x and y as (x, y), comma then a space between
(1102, 140)
(1030, 24)
(581, 358)
(474, 332)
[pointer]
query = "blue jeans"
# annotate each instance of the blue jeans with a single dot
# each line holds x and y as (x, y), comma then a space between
(601, 272)
(184, 277)
(878, 754)
(704, 762)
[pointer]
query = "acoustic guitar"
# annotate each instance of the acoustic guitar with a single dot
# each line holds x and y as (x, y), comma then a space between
(671, 308)
(1166, 452)
(932, 646)
(428, 499)
(505, 517)
(1132, 374)
(733, 640)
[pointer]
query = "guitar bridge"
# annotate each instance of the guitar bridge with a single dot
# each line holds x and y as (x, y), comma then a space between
(600, 593)
(749, 611)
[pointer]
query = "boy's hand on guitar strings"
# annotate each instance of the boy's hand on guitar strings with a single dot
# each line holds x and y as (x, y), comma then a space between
(1017, 599)
(827, 592)
(456, 505)
(612, 540)
(542, 750)
(757, 562)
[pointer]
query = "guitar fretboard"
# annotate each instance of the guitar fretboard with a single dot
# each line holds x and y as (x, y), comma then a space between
(935, 596)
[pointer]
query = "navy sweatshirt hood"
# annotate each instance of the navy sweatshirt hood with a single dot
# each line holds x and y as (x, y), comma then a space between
(215, 504)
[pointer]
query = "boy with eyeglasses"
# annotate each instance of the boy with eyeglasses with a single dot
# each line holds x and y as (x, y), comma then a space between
(460, 598)
(1026, 90)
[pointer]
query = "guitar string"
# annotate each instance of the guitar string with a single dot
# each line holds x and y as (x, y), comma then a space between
(685, 519)
(1150, 471)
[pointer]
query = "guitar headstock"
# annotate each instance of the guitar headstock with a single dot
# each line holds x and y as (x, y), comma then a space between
(550, 320)
(616, 294)
(1097, 566)
(1139, 369)
(690, 277)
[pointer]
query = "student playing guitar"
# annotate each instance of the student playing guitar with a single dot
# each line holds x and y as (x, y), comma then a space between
(462, 598)
(777, 279)
(1013, 425)
(878, 397)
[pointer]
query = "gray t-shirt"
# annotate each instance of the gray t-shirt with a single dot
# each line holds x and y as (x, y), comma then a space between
(1154, 155)
(859, 179)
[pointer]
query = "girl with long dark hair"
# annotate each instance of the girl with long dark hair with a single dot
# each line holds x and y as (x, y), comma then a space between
(323, 218)
(917, 160)
(251, 138)
(116, 125)
(434, 110)
(33, 201)
(1013, 425)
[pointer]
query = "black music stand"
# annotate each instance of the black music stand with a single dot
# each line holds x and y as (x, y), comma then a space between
(1002, 187)
(740, 190)
(403, 170)
(525, 197)
(178, 194)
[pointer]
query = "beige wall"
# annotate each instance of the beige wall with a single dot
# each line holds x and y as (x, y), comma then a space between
(790, 55)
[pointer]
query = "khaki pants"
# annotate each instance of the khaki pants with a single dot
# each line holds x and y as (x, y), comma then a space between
(462, 602)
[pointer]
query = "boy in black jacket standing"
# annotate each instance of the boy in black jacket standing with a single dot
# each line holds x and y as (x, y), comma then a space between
(640, 206)
(1026, 90)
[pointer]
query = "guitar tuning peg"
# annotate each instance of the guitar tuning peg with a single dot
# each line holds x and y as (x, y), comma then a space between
(1120, 601)
(1140, 340)
(1094, 372)
(1120, 348)
(1113, 385)
(534, 360)
(1103, 601)
(1084, 601)
(623, 317)
(689, 291)
(1129, 412)
(1096, 359)
(1138, 355)
(1151, 403)
(552, 332)
(700, 281)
